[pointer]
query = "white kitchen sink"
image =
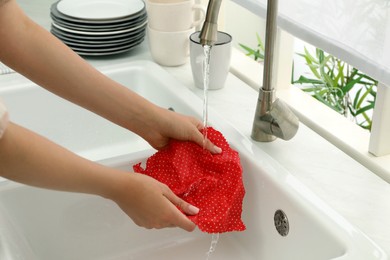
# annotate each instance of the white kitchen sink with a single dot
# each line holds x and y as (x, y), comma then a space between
(42, 224)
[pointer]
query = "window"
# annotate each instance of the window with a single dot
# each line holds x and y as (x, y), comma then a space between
(352, 139)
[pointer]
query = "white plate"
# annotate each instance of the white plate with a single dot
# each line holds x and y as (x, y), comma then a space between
(99, 44)
(108, 38)
(105, 52)
(100, 27)
(100, 9)
(98, 33)
(105, 49)
(54, 12)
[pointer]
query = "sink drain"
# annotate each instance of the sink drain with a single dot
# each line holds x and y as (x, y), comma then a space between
(281, 223)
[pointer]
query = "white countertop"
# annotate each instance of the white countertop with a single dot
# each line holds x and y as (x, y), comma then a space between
(348, 187)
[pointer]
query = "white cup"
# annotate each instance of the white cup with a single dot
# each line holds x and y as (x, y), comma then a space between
(219, 60)
(169, 48)
(173, 15)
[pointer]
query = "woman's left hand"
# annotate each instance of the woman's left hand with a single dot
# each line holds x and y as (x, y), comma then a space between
(171, 125)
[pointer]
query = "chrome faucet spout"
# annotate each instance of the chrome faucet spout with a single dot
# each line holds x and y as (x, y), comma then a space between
(273, 118)
(208, 34)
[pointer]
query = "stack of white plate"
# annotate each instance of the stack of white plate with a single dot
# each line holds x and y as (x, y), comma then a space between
(99, 27)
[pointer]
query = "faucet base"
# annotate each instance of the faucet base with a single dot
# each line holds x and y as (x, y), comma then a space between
(260, 136)
(261, 130)
(273, 119)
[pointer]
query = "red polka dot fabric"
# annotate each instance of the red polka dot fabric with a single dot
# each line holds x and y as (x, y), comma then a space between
(211, 182)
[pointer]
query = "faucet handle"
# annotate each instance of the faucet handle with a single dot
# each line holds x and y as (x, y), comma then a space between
(274, 119)
(285, 123)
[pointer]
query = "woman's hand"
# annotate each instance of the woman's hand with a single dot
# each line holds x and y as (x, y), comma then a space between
(171, 125)
(151, 204)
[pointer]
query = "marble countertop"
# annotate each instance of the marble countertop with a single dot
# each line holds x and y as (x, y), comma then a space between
(353, 191)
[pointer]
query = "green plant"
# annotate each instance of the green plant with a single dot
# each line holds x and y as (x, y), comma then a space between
(340, 86)
(258, 52)
(333, 82)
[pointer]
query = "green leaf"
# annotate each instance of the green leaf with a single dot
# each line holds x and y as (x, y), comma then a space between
(364, 109)
(248, 49)
(351, 84)
(259, 42)
(308, 56)
(304, 80)
(364, 96)
(314, 89)
(356, 99)
(340, 75)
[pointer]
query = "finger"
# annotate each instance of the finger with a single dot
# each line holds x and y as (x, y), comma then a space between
(187, 207)
(179, 219)
(200, 140)
(184, 222)
(211, 147)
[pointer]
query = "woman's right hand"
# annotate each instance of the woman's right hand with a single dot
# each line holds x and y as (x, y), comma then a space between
(151, 204)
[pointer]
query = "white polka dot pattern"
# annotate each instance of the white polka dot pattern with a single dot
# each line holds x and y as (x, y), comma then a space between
(213, 183)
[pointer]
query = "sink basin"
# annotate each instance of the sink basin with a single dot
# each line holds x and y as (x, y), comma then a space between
(43, 224)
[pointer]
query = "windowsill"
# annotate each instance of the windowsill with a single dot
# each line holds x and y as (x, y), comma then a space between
(344, 134)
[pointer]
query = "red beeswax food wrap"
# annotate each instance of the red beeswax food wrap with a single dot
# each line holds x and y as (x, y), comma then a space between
(213, 183)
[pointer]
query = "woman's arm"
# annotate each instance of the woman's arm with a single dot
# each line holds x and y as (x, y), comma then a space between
(31, 159)
(35, 53)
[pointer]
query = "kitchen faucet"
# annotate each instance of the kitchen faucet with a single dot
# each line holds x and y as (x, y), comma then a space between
(273, 118)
